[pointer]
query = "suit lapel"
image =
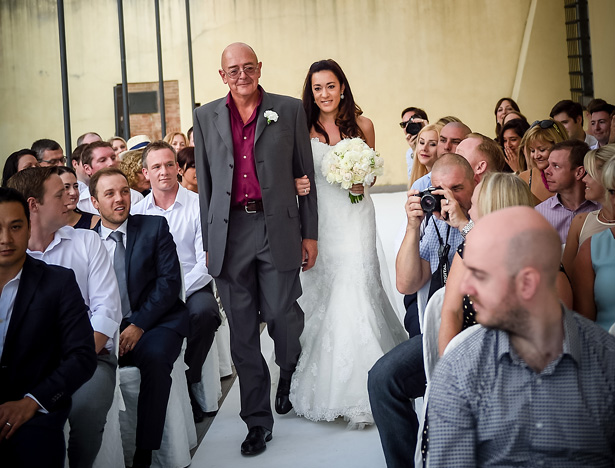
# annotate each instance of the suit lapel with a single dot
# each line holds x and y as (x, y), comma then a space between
(223, 125)
(131, 228)
(28, 284)
(261, 121)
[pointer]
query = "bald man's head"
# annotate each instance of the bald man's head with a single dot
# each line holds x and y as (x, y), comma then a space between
(483, 154)
(235, 48)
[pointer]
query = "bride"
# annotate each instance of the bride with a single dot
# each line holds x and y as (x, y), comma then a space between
(349, 321)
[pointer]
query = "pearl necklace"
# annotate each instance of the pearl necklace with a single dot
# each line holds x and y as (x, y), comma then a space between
(606, 220)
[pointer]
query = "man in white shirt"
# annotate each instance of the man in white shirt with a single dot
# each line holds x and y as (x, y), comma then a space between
(96, 156)
(82, 251)
(181, 209)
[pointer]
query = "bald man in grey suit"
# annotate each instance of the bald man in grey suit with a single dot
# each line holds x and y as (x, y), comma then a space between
(249, 148)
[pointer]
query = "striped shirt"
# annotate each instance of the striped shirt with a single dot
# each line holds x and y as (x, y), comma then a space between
(560, 217)
(488, 408)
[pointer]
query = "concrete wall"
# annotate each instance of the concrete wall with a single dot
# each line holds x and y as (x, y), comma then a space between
(449, 57)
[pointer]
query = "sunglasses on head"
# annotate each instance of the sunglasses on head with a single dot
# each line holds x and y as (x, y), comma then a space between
(544, 124)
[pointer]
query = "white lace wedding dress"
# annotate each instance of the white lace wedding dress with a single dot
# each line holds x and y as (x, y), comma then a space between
(349, 320)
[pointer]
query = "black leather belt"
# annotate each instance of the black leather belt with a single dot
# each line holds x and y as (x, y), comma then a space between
(252, 206)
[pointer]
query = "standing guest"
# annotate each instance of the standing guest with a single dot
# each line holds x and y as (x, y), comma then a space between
(190, 136)
(483, 154)
(87, 138)
(564, 175)
(570, 115)
(426, 152)
(80, 250)
(95, 157)
(513, 115)
(177, 140)
(118, 144)
(187, 170)
(38, 307)
(249, 148)
(76, 218)
(534, 386)
(48, 152)
(510, 140)
(180, 207)
(504, 106)
(18, 161)
(600, 113)
(154, 321)
(594, 266)
(132, 167)
(536, 144)
(83, 179)
(412, 120)
(585, 225)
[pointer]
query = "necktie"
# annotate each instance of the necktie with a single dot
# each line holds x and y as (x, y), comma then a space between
(119, 265)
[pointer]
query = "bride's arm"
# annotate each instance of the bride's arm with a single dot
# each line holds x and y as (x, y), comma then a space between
(367, 127)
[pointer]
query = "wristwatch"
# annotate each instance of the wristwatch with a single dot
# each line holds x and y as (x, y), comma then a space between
(467, 228)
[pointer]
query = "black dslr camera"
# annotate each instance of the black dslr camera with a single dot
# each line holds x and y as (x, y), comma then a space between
(413, 128)
(429, 201)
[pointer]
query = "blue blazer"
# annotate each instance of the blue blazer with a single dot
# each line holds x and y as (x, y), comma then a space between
(153, 275)
(49, 347)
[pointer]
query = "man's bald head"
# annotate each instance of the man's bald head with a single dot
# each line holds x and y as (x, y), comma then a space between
(483, 154)
(233, 49)
(449, 161)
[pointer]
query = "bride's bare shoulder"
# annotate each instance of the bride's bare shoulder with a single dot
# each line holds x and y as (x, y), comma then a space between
(367, 127)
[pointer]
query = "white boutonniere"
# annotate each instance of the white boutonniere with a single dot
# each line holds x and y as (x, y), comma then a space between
(271, 116)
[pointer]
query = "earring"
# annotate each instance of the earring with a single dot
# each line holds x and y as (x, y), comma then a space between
(342, 96)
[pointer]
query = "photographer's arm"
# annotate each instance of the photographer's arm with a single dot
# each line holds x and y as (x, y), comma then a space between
(451, 212)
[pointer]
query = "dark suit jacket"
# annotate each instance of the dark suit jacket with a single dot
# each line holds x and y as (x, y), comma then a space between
(282, 153)
(49, 347)
(153, 275)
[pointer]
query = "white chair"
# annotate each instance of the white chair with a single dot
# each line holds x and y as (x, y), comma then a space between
(431, 329)
(612, 330)
(179, 435)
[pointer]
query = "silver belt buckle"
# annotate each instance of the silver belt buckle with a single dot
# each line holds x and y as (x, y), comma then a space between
(248, 210)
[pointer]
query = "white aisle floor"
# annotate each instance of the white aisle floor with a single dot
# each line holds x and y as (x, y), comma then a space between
(297, 442)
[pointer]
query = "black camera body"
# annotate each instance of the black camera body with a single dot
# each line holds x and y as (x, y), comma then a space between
(413, 128)
(429, 201)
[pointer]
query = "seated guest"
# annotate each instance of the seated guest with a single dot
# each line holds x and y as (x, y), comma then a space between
(510, 139)
(18, 161)
(132, 167)
(570, 115)
(181, 209)
(95, 157)
(75, 158)
(118, 144)
(564, 174)
(594, 266)
(535, 385)
(187, 171)
(87, 138)
(600, 113)
(483, 154)
(177, 140)
(536, 144)
(155, 320)
(82, 251)
(48, 152)
(38, 307)
(399, 376)
(585, 225)
(76, 218)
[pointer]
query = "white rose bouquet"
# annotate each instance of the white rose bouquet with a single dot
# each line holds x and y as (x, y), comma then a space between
(351, 162)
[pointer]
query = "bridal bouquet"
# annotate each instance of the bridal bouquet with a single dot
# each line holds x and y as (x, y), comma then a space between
(351, 162)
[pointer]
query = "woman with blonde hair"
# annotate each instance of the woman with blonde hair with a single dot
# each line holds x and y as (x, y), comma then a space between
(425, 153)
(118, 144)
(536, 144)
(585, 225)
(496, 191)
(177, 140)
(132, 167)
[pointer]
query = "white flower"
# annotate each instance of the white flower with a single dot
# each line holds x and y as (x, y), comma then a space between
(271, 116)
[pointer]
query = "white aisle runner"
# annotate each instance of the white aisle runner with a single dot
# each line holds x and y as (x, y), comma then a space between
(297, 442)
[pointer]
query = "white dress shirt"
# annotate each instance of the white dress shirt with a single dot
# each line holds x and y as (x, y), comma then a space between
(82, 186)
(82, 251)
(7, 302)
(85, 202)
(110, 244)
(184, 218)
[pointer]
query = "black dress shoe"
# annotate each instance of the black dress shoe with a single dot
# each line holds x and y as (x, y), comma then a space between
(197, 412)
(142, 458)
(282, 401)
(256, 441)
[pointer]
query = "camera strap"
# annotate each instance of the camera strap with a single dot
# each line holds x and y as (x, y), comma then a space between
(440, 275)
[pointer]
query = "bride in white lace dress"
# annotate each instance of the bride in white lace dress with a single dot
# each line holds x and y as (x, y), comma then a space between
(349, 320)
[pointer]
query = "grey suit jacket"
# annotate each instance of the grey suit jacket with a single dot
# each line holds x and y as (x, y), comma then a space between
(282, 152)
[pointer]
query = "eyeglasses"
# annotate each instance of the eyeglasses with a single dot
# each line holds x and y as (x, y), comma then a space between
(544, 124)
(403, 124)
(54, 162)
(236, 72)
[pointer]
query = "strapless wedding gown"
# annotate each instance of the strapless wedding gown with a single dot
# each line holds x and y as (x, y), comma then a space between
(349, 320)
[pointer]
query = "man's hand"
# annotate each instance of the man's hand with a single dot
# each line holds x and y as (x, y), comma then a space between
(15, 413)
(302, 186)
(414, 212)
(129, 338)
(309, 252)
(451, 211)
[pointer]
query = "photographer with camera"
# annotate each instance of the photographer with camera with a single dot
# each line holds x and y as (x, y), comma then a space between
(413, 120)
(435, 217)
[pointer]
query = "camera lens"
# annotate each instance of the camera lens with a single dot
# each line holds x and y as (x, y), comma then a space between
(428, 202)
(413, 128)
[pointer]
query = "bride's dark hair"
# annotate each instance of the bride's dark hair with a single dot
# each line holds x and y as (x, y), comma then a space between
(348, 110)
